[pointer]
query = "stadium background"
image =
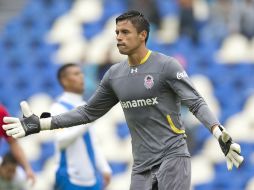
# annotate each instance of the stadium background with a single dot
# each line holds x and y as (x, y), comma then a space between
(207, 36)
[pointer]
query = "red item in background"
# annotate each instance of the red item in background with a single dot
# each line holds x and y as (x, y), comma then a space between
(3, 113)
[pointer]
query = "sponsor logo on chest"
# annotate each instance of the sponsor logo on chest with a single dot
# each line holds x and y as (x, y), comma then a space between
(139, 103)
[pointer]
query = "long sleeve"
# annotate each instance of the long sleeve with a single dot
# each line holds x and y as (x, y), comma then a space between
(99, 104)
(65, 137)
(178, 80)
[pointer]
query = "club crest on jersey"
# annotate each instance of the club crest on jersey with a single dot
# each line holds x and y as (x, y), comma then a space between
(148, 81)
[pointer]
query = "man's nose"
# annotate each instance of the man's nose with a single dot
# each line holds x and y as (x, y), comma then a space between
(119, 37)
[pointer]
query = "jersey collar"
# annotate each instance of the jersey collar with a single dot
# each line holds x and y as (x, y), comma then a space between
(145, 58)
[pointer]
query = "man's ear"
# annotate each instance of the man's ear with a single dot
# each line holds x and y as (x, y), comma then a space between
(143, 35)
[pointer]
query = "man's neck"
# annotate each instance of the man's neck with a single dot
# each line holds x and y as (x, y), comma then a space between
(137, 57)
(73, 93)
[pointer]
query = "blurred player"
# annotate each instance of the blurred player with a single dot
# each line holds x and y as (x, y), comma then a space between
(150, 87)
(15, 147)
(10, 176)
(79, 157)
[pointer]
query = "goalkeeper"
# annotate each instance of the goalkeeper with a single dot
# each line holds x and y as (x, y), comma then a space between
(150, 87)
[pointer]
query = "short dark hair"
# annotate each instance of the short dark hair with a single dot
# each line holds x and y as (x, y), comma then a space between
(62, 71)
(137, 19)
(9, 159)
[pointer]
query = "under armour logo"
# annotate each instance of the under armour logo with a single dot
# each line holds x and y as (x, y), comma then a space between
(134, 70)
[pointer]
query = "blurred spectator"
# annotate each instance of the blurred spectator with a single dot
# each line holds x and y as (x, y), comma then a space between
(223, 18)
(102, 68)
(187, 20)
(148, 8)
(9, 178)
(15, 147)
(80, 161)
(247, 18)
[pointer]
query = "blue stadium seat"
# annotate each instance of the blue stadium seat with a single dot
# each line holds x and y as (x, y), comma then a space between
(60, 8)
(111, 8)
(207, 186)
(93, 29)
(167, 7)
(223, 178)
(247, 149)
(201, 135)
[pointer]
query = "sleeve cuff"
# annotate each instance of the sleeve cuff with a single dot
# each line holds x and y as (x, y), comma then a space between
(217, 132)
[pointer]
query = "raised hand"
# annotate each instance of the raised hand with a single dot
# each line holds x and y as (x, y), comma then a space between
(29, 124)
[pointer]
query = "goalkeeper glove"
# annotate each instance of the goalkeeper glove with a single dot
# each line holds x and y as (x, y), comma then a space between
(230, 149)
(29, 124)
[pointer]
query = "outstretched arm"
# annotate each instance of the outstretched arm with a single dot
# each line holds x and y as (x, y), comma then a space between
(179, 81)
(100, 103)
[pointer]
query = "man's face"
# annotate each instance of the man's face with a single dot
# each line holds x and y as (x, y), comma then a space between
(128, 39)
(73, 80)
(8, 171)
